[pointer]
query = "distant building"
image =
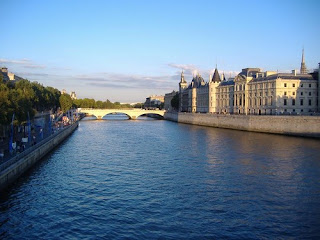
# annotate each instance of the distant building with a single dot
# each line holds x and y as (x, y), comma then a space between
(7, 76)
(63, 91)
(73, 95)
(253, 92)
(167, 100)
(154, 102)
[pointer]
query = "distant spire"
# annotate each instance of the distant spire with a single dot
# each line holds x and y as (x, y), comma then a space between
(303, 68)
(222, 76)
(182, 77)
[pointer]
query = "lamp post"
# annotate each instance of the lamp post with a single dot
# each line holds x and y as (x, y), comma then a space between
(11, 135)
(29, 130)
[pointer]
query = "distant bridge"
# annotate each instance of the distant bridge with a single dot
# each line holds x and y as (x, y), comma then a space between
(133, 113)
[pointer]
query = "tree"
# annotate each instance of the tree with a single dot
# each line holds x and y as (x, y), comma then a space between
(175, 102)
(4, 104)
(65, 102)
(138, 105)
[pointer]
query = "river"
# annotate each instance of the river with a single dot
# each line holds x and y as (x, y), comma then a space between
(153, 179)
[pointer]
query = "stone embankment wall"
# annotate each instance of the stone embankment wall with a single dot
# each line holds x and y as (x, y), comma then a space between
(15, 167)
(306, 126)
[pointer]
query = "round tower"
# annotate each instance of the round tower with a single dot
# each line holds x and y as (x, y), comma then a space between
(213, 84)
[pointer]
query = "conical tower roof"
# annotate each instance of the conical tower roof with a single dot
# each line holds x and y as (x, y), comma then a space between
(216, 77)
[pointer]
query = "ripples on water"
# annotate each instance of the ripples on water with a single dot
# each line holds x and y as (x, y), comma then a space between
(158, 179)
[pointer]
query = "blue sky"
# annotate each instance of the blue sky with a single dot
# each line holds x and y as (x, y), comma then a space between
(127, 50)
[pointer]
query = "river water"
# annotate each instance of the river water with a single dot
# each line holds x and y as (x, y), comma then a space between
(151, 179)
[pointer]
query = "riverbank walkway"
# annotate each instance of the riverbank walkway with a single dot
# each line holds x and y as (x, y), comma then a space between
(23, 145)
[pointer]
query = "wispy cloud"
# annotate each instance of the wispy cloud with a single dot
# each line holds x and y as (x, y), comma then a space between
(188, 69)
(117, 80)
(30, 74)
(34, 66)
(26, 63)
(20, 61)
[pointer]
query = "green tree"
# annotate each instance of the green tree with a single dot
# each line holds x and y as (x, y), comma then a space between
(175, 102)
(138, 105)
(4, 104)
(99, 104)
(65, 102)
(77, 103)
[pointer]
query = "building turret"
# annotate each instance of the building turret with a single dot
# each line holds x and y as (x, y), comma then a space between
(303, 68)
(213, 84)
(182, 86)
(182, 80)
(222, 77)
(216, 76)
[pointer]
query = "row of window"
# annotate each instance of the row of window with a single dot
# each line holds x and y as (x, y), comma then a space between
(260, 94)
(260, 102)
(301, 93)
(293, 102)
(294, 85)
(261, 85)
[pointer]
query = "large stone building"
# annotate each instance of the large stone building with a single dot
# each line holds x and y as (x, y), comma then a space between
(73, 95)
(253, 91)
(8, 76)
(153, 102)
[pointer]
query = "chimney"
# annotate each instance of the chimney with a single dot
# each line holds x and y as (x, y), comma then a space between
(294, 72)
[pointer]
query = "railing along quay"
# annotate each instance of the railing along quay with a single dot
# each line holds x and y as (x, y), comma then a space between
(13, 160)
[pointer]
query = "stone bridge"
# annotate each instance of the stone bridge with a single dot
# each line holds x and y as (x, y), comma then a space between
(131, 113)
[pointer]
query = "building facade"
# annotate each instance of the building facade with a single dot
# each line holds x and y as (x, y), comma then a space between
(73, 95)
(253, 91)
(153, 102)
(6, 75)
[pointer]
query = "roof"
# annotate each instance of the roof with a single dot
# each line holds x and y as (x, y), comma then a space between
(196, 81)
(287, 76)
(226, 83)
(216, 77)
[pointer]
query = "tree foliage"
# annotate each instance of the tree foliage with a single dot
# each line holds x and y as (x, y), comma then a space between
(23, 97)
(91, 103)
(65, 102)
(175, 102)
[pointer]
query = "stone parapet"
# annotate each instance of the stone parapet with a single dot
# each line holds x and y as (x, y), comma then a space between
(306, 126)
(15, 167)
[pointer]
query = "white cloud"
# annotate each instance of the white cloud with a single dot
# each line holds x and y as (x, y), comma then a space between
(21, 61)
(118, 80)
(26, 63)
(188, 69)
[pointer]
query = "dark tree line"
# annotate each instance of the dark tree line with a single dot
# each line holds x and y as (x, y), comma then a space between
(91, 103)
(23, 97)
(175, 102)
